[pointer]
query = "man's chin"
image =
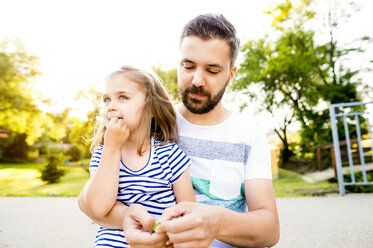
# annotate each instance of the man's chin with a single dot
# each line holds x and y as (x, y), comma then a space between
(196, 108)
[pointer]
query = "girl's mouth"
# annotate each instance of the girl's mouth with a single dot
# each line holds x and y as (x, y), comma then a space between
(112, 116)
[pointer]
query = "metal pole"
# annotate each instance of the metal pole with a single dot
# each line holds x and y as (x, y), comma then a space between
(361, 152)
(337, 151)
(351, 163)
(370, 136)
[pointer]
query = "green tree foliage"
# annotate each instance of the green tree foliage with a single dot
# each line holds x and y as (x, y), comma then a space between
(51, 173)
(169, 80)
(15, 149)
(80, 131)
(18, 111)
(74, 153)
(17, 69)
(295, 74)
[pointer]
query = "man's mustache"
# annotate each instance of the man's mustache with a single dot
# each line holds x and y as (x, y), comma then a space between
(197, 90)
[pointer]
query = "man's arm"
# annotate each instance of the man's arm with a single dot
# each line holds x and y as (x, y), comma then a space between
(260, 226)
(198, 225)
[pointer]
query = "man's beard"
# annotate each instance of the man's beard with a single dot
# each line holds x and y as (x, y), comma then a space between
(196, 106)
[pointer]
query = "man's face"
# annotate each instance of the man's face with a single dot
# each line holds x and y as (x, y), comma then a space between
(204, 73)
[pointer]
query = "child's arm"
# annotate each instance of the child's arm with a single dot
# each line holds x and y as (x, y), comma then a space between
(101, 190)
(183, 188)
(112, 220)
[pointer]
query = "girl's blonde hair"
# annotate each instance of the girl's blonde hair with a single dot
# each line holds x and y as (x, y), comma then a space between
(159, 117)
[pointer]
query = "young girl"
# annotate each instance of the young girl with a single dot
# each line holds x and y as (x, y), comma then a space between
(135, 159)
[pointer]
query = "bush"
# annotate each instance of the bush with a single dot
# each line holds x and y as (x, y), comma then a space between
(74, 153)
(15, 149)
(359, 178)
(51, 173)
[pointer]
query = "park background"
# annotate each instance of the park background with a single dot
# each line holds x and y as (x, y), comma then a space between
(297, 57)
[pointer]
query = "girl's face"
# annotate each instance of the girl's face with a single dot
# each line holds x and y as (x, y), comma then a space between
(123, 99)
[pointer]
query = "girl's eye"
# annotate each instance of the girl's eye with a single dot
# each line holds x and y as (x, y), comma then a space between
(122, 98)
(106, 100)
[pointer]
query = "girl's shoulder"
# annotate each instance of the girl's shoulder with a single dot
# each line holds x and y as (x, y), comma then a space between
(97, 150)
(158, 143)
(163, 147)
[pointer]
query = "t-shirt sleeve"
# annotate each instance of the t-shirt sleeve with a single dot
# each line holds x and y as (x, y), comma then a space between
(95, 159)
(258, 164)
(178, 162)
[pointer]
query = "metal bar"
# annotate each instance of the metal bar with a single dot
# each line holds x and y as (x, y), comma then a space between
(360, 183)
(350, 162)
(350, 104)
(362, 159)
(370, 136)
(351, 114)
(337, 151)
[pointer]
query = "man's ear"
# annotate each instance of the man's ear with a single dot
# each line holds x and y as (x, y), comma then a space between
(231, 74)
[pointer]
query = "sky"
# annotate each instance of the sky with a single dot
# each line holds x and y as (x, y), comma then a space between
(81, 42)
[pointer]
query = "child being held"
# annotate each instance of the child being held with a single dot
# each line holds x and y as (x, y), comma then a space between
(135, 159)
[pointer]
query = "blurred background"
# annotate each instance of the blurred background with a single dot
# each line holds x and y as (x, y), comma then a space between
(297, 57)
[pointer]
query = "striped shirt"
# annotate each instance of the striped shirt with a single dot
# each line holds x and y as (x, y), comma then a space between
(150, 186)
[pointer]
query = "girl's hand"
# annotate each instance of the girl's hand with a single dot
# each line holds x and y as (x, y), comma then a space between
(116, 133)
(137, 226)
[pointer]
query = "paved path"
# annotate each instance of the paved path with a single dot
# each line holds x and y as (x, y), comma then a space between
(329, 173)
(334, 221)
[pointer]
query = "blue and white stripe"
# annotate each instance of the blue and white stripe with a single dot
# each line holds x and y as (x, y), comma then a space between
(150, 186)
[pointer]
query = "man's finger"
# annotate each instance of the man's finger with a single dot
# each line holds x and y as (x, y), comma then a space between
(179, 224)
(175, 211)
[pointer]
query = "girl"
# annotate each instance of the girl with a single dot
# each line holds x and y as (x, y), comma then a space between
(135, 159)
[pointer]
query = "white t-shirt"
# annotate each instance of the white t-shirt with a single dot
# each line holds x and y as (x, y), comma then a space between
(224, 156)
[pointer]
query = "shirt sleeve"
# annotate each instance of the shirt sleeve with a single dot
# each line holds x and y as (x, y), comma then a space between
(178, 162)
(95, 159)
(258, 163)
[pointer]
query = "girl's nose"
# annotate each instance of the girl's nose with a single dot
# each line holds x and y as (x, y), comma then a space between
(111, 107)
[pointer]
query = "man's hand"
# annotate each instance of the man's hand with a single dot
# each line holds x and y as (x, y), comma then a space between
(137, 227)
(190, 224)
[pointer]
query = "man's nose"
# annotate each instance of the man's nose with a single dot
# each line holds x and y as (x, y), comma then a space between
(198, 79)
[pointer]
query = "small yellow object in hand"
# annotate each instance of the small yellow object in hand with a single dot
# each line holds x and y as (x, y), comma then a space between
(155, 225)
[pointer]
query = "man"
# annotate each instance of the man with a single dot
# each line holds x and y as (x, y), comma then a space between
(230, 158)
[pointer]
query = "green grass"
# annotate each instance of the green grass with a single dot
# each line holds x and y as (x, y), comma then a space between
(24, 180)
(290, 184)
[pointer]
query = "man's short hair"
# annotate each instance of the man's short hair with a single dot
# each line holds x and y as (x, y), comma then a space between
(213, 26)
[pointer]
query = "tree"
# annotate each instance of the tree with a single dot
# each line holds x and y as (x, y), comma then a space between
(81, 131)
(51, 173)
(18, 111)
(295, 73)
(169, 80)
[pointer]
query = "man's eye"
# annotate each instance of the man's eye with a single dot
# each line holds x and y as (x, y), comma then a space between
(188, 66)
(213, 72)
(123, 98)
